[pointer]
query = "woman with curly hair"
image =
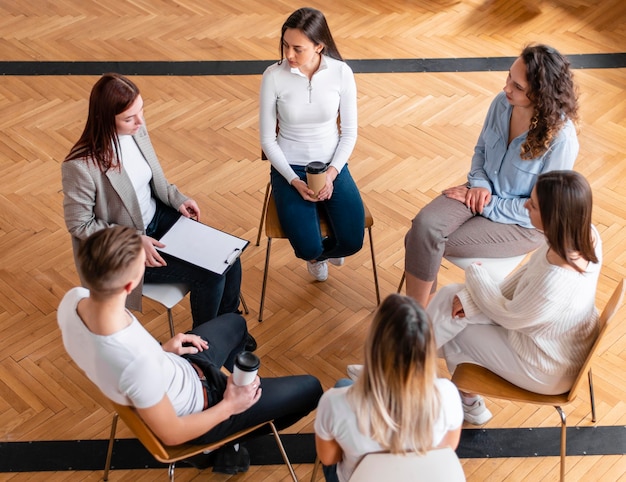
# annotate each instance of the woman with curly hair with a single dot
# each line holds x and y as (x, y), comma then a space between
(529, 130)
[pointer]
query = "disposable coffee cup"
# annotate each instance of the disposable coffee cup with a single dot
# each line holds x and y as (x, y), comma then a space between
(316, 176)
(246, 367)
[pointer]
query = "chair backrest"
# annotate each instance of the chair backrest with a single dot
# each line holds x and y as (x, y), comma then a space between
(438, 465)
(139, 428)
(612, 306)
(170, 453)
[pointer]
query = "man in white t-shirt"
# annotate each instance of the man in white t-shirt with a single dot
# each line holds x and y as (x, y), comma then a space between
(177, 388)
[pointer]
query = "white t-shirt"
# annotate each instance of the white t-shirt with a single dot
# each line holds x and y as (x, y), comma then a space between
(140, 176)
(336, 420)
(129, 366)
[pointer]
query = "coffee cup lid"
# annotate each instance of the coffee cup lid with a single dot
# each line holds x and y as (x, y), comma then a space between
(247, 361)
(315, 167)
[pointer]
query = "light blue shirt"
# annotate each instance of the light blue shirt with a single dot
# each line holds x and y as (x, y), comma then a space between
(499, 168)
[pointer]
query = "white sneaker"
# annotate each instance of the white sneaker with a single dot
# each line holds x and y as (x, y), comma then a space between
(354, 371)
(337, 261)
(318, 270)
(477, 413)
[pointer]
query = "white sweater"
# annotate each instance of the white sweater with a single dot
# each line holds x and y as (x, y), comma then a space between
(306, 113)
(549, 311)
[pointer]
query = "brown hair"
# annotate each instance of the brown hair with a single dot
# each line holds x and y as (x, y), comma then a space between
(565, 205)
(105, 257)
(111, 95)
(312, 23)
(395, 398)
(553, 94)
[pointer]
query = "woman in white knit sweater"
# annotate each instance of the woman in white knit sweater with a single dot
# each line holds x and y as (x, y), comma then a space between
(536, 327)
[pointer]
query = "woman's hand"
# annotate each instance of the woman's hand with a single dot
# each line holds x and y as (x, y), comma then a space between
(327, 191)
(185, 344)
(303, 189)
(153, 258)
(457, 308)
(190, 209)
(477, 198)
(241, 399)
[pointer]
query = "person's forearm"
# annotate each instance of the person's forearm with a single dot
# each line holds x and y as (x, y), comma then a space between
(191, 426)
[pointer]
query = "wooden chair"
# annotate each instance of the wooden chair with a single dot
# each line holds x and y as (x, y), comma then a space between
(170, 294)
(273, 230)
(475, 379)
(172, 454)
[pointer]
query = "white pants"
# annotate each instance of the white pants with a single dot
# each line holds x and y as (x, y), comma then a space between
(480, 341)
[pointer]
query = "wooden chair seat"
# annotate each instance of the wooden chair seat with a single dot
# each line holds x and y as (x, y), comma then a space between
(171, 454)
(273, 230)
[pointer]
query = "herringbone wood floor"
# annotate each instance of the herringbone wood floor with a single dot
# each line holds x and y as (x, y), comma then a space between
(417, 133)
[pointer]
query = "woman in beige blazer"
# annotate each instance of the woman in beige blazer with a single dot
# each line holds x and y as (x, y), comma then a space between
(112, 176)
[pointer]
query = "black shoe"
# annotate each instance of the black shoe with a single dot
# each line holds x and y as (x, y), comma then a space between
(200, 461)
(229, 461)
(250, 343)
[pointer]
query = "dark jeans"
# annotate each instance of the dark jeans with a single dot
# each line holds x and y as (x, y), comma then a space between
(330, 473)
(211, 294)
(300, 219)
(284, 400)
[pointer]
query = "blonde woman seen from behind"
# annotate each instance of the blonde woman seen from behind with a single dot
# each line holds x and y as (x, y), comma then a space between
(397, 404)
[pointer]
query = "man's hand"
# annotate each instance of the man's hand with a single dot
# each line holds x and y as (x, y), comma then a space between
(185, 344)
(241, 399)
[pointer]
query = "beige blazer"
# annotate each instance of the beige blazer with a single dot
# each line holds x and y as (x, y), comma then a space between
(94, 200)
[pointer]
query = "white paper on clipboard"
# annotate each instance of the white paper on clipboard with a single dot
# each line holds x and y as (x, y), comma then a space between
(202, 245)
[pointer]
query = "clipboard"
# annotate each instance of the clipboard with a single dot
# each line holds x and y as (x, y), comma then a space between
(202, 245)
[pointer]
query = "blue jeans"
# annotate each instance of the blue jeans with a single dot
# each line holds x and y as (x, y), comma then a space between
(300, 219)
(284, 400)
(211, 294)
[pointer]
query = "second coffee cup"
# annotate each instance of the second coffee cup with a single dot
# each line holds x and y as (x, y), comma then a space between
(246, 367)
(316, 176)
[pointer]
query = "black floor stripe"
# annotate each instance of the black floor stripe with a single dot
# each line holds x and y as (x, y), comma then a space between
(255, 67)
(475, 443)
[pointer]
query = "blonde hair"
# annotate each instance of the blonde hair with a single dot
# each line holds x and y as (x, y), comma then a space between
(395, 399)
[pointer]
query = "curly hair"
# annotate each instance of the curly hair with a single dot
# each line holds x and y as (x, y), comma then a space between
(553, 93)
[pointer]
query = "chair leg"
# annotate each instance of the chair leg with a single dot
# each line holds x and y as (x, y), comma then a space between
(316, 467)
(563, 440)
(401, 281)
(107, 463)
(369, 230)
(282, 452)
(170, 471)
(244, 304)
(592, 396)
(263, 212)
(267, 265)
(170, 318)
